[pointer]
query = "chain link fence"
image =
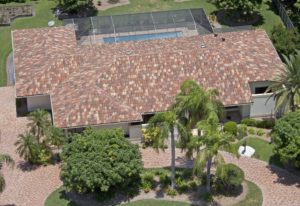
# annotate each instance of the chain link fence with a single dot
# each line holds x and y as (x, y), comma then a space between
(283, 15)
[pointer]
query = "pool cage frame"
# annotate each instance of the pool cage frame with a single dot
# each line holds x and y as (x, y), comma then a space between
(91, 30)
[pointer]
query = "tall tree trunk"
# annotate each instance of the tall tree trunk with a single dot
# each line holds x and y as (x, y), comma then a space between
(172, 159)
(292, 103)
(208, 166)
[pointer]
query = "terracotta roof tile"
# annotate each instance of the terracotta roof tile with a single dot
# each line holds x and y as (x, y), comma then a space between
(108, 83)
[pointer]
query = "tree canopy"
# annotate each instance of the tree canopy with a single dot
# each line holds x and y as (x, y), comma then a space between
(286, 137)
(243, 7)
(286, 41)
(100, 161)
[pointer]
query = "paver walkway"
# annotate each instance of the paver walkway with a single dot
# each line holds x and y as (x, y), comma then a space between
(278, 186)
(23, 188)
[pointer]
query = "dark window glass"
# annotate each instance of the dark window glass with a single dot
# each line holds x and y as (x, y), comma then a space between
(260, 90)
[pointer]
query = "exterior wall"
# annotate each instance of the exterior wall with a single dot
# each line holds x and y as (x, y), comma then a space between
(245, 111)
(261, 107)
(38, 102)
(135, 133)
(124, 126)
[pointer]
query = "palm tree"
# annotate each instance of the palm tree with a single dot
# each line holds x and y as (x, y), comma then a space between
(212, 138)
(167, 122)
(4, 158)
(193, 103)
(40, 123)
(286, 87)
(55, 136)
(27, 146)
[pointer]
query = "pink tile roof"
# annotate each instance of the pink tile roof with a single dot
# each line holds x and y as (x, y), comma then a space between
(107, 83)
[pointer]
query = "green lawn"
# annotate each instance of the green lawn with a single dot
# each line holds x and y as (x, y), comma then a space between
(254, 196)
(151, 202)
(263, 150)
(58, 198)
(44, 14)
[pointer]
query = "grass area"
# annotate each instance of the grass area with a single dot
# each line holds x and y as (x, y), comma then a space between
(254, 196)
(151, 202)
(263, 150)
(138, 6)
(269, 15)
(58, 198)
(43, 10)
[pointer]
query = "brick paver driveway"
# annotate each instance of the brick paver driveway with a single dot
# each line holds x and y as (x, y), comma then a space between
(23, 187)
(278, 186)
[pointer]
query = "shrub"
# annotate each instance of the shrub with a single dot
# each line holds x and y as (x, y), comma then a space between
(165, 179)
(146, 187)
(182, 185)
(266, 123)
(249, 122)
(241, 131)
(171, 192)
(231, 127)
(102, 161)
(150, 134)
(229, 177)
(147, 179)
(260, 132)
(286, 137)
(286, 41)
(251, 131)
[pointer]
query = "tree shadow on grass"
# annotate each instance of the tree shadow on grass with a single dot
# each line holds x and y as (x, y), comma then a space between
(229, 18)
(63, 195)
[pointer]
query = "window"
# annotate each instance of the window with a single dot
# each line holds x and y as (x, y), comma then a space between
(260, 90)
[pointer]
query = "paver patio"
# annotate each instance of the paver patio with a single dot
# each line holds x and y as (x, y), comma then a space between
(23, 188)
(278, 186)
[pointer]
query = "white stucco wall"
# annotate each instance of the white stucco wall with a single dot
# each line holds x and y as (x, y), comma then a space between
(38, 102)
(245, 111)
(261, 107)
(135, 132)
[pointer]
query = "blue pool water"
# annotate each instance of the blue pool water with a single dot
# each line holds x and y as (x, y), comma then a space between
(142, 37)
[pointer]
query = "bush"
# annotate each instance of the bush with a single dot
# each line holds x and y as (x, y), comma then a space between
(149, 135)
(171, 192)
(260, 132)
(266, 123)
(165, 179)
(251, 131)
(286, 137)
(249, 122)
(182, 185)
(101, 161)
(241, 131)
(231, 127)
(286, 41)
(147, 180)
(229, 177)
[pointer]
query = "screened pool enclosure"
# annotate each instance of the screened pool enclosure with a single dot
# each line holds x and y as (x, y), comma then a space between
(135, 27)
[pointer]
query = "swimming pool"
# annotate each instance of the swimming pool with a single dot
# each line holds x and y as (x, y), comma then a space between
(142, 37)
